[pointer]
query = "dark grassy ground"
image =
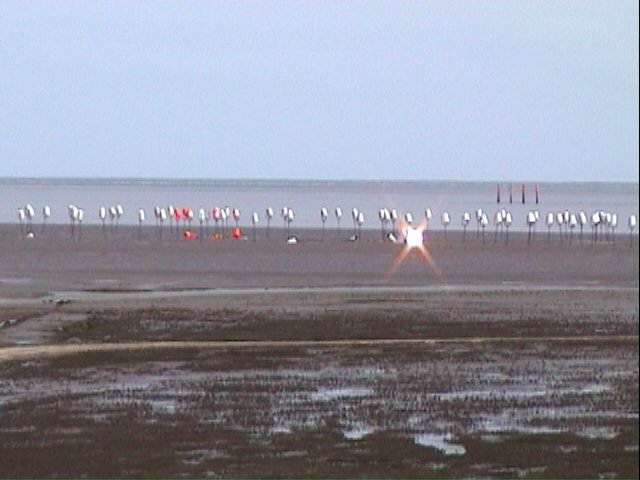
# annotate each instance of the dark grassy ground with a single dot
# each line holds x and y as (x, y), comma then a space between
(541, 408)
(213, 414)
(458, 315)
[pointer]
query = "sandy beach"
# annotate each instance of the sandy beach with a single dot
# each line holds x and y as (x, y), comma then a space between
(53, 261)
(131, 355)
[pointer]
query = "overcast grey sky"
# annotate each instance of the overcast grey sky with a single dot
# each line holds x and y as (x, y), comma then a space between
(474, 90)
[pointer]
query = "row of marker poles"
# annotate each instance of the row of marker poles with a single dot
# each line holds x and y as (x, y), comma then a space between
(603, 221)
(522, 190)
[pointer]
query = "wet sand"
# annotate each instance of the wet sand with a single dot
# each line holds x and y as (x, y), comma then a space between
(138, 356)
(53, 261)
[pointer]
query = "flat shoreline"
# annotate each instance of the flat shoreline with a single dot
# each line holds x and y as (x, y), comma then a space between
(242, 358)
(52, 261)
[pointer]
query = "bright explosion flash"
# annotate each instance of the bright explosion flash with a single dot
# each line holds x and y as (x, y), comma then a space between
(413, 239)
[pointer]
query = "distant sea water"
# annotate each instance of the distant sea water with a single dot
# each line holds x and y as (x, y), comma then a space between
(307, 197)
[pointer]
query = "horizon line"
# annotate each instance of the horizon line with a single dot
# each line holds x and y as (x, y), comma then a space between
(26, 179)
